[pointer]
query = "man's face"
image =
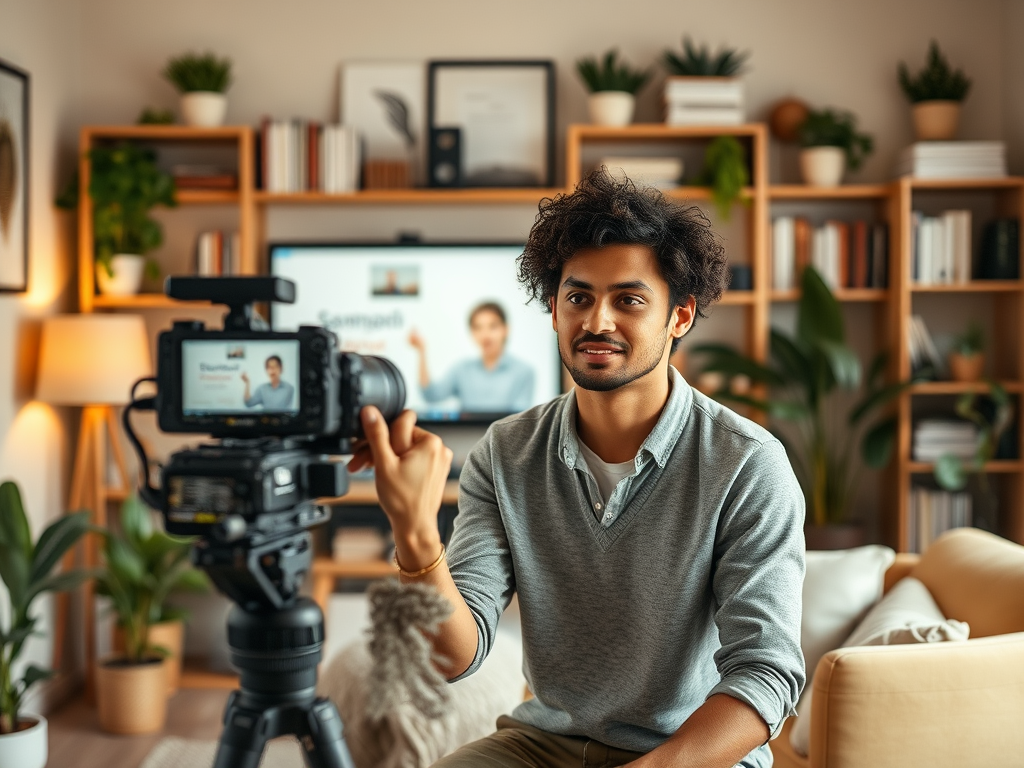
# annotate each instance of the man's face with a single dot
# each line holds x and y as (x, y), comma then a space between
(610, 315)
(274, 372)
(489, 332)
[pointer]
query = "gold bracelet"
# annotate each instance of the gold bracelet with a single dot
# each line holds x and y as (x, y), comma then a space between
(421, 571)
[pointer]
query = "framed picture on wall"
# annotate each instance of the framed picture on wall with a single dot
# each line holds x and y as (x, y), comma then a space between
(13, 178)
(505, 113)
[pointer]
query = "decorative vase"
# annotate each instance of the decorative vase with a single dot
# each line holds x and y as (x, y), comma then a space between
(204, 109)
(966, 367)
(611, 108)
(822, 166)
(127, 280)
(168, 635)
(26, 748)
(131, 698)
(936, 120)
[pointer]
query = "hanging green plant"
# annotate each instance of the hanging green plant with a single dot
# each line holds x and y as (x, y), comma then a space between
(725, 171)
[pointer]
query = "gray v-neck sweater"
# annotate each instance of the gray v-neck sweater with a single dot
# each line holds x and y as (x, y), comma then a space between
(692, 588)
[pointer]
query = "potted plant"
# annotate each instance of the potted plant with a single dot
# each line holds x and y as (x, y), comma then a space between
(703, 88)
(201, 80)
(612, 87)
(26, 569)
(831, 144)
(936, 94)
(725, 171)
(141, 566)
(966, 359)
(812, 376)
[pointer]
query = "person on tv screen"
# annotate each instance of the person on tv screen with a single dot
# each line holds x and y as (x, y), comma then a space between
(273, 395)
(495, 382)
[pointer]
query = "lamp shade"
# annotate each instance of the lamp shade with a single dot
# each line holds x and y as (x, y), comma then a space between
(92, 359)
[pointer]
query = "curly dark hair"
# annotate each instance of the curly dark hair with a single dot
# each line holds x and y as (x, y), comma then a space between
(608, 210)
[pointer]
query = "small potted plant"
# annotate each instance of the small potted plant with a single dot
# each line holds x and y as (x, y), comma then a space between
(936, 94)
(612, 87)
(967, 359)
(831, 145)
(141, 567)
(202, 81)
(26, 569)
(704, 88)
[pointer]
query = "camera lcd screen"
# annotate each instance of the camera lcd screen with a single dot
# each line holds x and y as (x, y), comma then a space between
(239, 377)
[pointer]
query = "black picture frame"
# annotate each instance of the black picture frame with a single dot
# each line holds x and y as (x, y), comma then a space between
(14, 178)
(537, 168)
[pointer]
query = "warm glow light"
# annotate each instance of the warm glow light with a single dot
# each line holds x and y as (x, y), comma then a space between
(30, 438)
(91, 359)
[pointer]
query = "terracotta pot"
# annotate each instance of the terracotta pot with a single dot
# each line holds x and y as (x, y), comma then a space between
(26, 748)
(169, 635)
(822, 166)
(131, 698)
(936, 120)
(611, 108)
(966, 367)
(204, 109)
(834, 536)
(128, 272)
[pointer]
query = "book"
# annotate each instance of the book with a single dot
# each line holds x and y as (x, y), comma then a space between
(660, 172)
(783, 253)
(858, 255)
(953, 159)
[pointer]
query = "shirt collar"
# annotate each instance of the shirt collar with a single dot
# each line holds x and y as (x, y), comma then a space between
(659, 443)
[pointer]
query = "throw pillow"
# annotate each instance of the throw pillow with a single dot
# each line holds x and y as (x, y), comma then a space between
(908, 614)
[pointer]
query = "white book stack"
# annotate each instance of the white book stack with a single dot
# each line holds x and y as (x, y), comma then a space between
(218, 254)
(941, 248)
(784, 253)
(704, 101)
(923, 352)
(825, 256)
(300, 156)
(660, 172)
(934, 438)
(953, 160)
(339, 157)
(932, 513)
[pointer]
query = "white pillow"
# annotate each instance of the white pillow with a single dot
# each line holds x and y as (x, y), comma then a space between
(907, 615)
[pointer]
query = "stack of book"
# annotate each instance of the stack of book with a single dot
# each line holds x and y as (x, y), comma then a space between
(932, 513)
(660, 172)
(924, 356)
(703, 101)
(204, 177)
(218, 254)
(846, 254)
(953, 160)
(941, 248)
(301, 156)
(934, 438)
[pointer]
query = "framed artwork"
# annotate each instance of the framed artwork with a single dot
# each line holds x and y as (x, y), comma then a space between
(505, 112)
(384, 102)
(13, 178)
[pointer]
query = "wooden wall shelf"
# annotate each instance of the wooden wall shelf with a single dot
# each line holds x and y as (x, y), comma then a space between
(975, 286)
(526, 195)
(842, 192)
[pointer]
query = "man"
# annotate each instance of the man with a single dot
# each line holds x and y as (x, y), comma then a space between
(654, 538)
(274, 395)
(495, 382)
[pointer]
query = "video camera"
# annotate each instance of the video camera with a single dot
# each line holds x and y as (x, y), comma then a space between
(250, 497)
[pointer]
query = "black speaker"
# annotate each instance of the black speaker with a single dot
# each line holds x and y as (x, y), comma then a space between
(445, 157)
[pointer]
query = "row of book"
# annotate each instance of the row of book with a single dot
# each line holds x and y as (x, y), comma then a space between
(924, 355)
(932, 513)
(934, 438)
(704, 101)
(846, 254)
(218, 254)
(303, 156)
(941, 248)
(953, 160)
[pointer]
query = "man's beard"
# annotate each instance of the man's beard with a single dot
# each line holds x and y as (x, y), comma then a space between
(647, 359)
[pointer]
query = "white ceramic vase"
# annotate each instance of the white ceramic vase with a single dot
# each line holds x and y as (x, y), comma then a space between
(204, 109)
(128, 272)
(25, 749)
(611, 108)
(822, 166)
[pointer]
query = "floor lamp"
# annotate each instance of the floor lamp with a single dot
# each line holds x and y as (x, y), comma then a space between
(91, 361)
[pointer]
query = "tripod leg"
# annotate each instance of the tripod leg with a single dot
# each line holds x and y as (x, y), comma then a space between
(324, 741)
(243, 739)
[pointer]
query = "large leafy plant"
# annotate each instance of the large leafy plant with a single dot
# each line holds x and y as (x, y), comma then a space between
(27, 572)
(141, 567)
(806, 376)
(936, 82)
(701, 62)
(610, 75)
(193, 72)
(833, 128)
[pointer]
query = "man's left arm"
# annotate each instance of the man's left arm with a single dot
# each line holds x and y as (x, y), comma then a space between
(758, 585)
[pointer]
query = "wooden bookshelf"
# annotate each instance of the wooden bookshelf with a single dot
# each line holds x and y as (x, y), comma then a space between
(975, 286)
(842, 192)
(476, 196)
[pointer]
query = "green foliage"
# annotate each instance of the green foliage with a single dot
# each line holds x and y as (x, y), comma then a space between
(725, 171)
(833, 128)
(151, 116)
(27, 571)
(141, 566)
(952, 473)
(610, 75)
(193, 72)
(700, 62)
(936, 82)
(805, 373)
(971, 342)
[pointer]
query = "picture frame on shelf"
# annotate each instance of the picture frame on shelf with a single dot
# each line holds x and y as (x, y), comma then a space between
(505, 113)
(14, 178)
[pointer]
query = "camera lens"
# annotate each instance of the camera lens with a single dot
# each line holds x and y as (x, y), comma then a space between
(382, 385)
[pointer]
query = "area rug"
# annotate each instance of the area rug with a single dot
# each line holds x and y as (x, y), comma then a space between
(176, 752)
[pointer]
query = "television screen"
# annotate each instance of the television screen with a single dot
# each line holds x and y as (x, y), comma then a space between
(453, 318)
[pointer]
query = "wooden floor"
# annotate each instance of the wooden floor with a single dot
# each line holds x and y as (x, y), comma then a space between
(76, 740)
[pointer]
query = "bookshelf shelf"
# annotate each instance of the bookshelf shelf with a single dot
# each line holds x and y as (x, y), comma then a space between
(145, 301)
(991, 467)
(206, 197)
(847, 192)
(962, 387)
(975, 286)
(738, 298)
(843, 294)
(703, 193)
(527, 195)
(649, 131)
(1007, 182)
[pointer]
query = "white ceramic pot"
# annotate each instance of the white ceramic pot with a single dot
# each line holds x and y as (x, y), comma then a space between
(822, 166)
(25, 749)
(128, 272)
(611, 108)
(204, 109)
(936, 120)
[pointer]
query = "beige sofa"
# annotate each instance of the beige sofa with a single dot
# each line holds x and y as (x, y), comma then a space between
(941, 705)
